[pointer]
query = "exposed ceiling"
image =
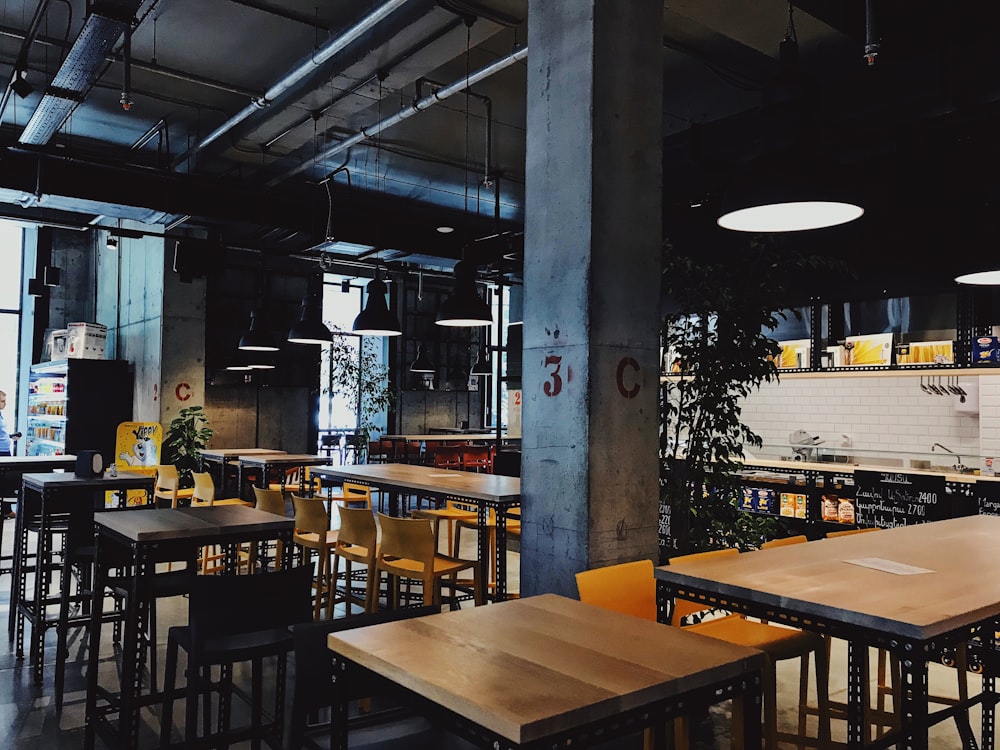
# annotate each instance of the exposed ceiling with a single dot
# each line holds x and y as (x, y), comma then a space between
(256, 122)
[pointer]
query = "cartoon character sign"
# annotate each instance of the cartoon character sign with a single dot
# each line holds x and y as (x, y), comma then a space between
(138, 444)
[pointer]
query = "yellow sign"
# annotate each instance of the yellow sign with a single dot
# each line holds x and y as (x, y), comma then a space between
(137, 450)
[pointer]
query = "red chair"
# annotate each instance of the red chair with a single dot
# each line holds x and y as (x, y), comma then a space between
(477, 458)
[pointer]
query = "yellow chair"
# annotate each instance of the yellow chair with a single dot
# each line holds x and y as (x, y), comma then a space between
(513, 531)
(355, 493)
(269, 501)
(356, 543)
(408, 550)
(849, 532)
(203, 494)
(779, 643)
(452, 512)
(313, 535)
(166, 486)
(785, 541)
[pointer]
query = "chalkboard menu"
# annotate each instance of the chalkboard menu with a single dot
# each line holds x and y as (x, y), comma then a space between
(887, 498)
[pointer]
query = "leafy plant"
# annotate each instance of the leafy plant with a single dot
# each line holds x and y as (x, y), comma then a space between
(357, 374)
(187, 434)
(718, 352)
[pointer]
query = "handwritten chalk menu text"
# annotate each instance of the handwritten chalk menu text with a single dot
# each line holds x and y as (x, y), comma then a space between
(886, 499)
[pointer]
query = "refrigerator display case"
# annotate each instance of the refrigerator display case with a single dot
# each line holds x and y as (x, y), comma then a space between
(77, 404)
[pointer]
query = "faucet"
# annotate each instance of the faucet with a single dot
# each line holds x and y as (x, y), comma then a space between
(959, 466)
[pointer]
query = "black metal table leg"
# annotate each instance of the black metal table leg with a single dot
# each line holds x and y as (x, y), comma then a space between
(500, 585)
(913, 698)
(857, 693)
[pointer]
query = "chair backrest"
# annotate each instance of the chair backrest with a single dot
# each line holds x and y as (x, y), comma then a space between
(165, 486)
(476, 457)
(270, 501)
(356, 493)
(785, 541)
(849, 532)
(357, 527)
(684, 607)
(626, 587)
(204, 487)
(447, 457)
(227, 605)
(310, 514)
(409, 538)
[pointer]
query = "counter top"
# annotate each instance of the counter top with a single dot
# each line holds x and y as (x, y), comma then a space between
(831, 466)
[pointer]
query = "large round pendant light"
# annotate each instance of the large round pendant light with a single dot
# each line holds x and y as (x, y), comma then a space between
(258, 338)
(310, 328)
(786, 193)
(376, 319)
(464, 307)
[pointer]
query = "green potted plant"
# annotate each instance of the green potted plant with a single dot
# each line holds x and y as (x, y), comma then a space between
(187, 434)
(357, 374)
(717, 353)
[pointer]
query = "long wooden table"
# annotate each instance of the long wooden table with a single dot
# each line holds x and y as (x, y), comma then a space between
(269, 462)
(485, 491)
(911, 590)
(219, 457)
(399, 442)
(547, 671)
(152, 536)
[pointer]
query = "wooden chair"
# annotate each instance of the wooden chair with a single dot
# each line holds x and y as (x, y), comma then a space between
(356, 543)
(779, 643)
(356, 494)
(166, 491)
(407, 550)
(476, 458)
(269, 501)
(513, 528)
(203, 496)
(313, 535)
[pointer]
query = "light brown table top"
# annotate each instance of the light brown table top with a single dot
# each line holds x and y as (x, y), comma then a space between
(531, 667)
(282, 459)
(468, 484)
(221, 453)
(148, 525)
(814, 578)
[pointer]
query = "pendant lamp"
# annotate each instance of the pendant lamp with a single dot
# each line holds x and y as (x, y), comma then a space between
(240, 362)
(310, 328)
(786, 193)
(376, 319)
(422, 363)
(482, 365)
(980, 278)
(464, 307)
(258, 338)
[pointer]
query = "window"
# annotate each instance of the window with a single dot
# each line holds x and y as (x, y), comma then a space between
(11, 252)
(341, 304)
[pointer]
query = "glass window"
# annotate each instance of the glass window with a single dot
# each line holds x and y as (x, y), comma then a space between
(10, 279)
(10, 316)
(342, 299)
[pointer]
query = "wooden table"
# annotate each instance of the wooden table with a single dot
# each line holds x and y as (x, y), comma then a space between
(43, 496)
(913, 615)
(11, 469)
(268, 462)
(152, 536)
(220, 456)
(545, 671)
(485, 491)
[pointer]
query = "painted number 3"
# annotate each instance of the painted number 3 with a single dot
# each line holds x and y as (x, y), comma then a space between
(553, 386)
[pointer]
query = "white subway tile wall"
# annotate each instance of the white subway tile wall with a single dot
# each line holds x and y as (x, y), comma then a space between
(883, 415)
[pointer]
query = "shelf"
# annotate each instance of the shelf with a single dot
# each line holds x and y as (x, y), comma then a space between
(43, 441)
(47, 417)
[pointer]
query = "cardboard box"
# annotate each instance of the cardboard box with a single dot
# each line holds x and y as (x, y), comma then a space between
(55, 345)
(86, 340)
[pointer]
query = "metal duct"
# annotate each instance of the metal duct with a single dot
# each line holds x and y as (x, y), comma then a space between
(456, 87)
(78, 72)
(294, 76)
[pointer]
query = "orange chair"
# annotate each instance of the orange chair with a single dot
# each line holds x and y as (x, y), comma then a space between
(313, 535)
(356, 543)
(204, 497)
(477, 458)
(513, 528)
(407, 550)
(166, 486)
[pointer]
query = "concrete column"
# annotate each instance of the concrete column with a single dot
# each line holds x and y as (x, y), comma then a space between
(592, 280)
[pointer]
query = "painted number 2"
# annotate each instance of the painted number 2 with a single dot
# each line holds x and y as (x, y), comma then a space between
(553, 386)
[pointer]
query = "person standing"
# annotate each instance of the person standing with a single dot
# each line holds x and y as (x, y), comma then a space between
(6, 449)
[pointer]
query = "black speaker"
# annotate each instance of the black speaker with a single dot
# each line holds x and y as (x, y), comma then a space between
(89, 464)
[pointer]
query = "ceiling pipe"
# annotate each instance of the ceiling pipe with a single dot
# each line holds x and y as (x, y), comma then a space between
(456, 87)
(21, 63)
(296, 75)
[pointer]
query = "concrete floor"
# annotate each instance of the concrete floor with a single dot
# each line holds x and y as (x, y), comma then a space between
(29, 721)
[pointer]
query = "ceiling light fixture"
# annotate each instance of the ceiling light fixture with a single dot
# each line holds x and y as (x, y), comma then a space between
(980, 278)
(464, 307)
(787, 191)
(422, 363)
(310, 329)
(376, 319)
(482, 366)
(258, 338)
(445, 229)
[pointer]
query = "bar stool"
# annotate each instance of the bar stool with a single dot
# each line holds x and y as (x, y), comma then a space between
(356, 543)
(313, 535)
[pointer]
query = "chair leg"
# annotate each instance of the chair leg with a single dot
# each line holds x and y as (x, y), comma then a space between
(169, 680)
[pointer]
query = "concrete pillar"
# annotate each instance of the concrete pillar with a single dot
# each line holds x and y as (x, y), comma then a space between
(592, 280)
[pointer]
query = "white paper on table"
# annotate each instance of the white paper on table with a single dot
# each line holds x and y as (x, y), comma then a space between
(888, 566)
